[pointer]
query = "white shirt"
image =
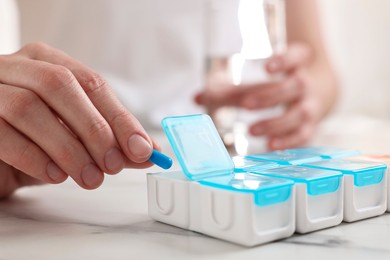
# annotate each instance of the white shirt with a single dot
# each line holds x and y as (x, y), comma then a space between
(151, 51)
(9, 27)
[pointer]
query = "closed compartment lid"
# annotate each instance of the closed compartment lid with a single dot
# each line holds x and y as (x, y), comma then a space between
(318, 181)
(325, 152)
(364, 172)
(243, 164)
(285, 158)
(266, 190)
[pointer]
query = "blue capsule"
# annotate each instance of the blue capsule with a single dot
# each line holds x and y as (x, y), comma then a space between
(161, 160)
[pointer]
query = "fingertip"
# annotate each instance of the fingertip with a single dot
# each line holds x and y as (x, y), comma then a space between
(199, 99)
(140, 148)
(274, 65)
(55, 174)
(276, 144)
(114, 161)
(92, 177)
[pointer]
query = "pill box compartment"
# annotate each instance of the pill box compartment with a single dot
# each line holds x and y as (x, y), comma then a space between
(382, 159)
(319, 196)
(365, 186)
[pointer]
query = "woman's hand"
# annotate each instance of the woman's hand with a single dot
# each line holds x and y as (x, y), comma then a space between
(58, 118)
(299, 92)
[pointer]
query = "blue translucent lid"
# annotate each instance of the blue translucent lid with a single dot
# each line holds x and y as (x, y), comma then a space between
(365, 172)
(325, 152)
(318, 181)
(197, 146)
(243, 164)
(285, 158)
(266, 190)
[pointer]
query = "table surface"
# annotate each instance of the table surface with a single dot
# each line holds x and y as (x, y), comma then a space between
(66, 222)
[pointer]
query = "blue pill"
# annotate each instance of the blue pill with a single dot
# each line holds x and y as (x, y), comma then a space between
(160, 159)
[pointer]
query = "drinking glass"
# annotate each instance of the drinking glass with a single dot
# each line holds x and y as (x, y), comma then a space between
(244, 34)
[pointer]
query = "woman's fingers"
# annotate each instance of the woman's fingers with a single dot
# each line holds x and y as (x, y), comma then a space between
(26, 112)
(294, 139)
(289, 121)
(256, 96)
(22, 154)
(61, 91)
(296, 56)
(251, 96)
(273, 94)
(61, 118)
(132, 138)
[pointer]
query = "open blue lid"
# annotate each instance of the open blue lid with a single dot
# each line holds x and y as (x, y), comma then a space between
(318, 181)
(197, 146)
(325, 152)
(365, 172)
(285, 158)
(266, 190)
(243, 164)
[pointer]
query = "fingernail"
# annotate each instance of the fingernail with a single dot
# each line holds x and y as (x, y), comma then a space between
(114, 160)
(55, 173)
(139, 147)
(92, 176)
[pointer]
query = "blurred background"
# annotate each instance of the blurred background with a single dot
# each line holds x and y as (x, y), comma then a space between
(358, 36)
(356, 31)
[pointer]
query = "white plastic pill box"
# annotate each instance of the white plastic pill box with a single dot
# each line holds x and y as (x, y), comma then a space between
(259, 198)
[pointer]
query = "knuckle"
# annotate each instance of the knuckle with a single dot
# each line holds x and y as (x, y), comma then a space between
(21, 102)
(120, 118)
(125, 120)
(57, 77)
(98, 128)
(92, 82)
(34, 47)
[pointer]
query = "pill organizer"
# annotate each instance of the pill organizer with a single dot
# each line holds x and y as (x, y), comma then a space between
(255, 199)
(365, 186)
(382, 159)
(319, 196)
(212, 196)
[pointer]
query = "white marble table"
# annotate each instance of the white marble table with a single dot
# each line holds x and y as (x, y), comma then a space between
(65, 222)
